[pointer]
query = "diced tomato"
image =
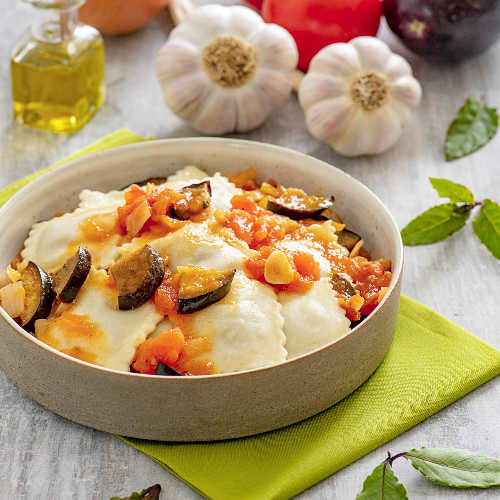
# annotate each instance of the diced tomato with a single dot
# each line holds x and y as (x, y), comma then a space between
(167, 294)
(306, 265)
(242, 224)
(370, 304)
(167, 348)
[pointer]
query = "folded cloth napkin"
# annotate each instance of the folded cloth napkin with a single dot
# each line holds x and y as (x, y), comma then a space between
(430, 363)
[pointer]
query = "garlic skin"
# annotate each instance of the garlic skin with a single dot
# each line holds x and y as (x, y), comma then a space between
(359, 96)
(224, 69)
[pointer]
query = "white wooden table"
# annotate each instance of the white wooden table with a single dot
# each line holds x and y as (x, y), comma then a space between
(44, 456)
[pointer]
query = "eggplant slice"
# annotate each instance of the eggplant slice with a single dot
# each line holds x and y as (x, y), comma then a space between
(196, 198)
(69, 279)
(348, 239)
(342, 285)
(39, 295)
(137, 277)
(297, 205)
(200, 288)
(165, 370)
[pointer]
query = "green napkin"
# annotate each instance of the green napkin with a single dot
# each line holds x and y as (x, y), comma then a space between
(430, 363)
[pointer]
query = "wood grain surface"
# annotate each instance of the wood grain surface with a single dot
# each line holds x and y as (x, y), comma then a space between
(44, 456)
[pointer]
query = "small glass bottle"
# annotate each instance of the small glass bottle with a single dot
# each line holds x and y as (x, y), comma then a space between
(57, 69)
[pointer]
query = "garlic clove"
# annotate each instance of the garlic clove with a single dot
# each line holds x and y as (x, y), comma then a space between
(274, 47)
(321, 86)
(375, 131)
(381, 129)
(272, 86)
(175, 59)
(373, 53)
(202, 26)
(408, 90)
(340, 60)
(184, 94)
(221, 104)
(397, 67)
(328, 119)
(243, 23)
(251, 108)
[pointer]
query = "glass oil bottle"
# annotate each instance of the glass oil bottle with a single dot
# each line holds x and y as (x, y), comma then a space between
(57, 69)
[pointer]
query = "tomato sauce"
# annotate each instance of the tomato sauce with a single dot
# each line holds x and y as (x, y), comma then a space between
(262, 230)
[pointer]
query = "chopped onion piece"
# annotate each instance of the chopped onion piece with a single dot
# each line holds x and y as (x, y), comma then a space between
(12, 297)
(138, 218)
(356, 249)
(4, 278)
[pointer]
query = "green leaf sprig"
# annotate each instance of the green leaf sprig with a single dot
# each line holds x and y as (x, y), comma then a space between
(441, 221)
(446, 466)
(151, 493)
(474, 127)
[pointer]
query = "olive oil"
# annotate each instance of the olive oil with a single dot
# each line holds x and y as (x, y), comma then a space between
(57, 70)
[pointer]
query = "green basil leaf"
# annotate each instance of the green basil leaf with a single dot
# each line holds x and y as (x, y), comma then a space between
(382, 484)
(455, 192)
(435, 224)
(475, 126)
(151, 493)
(456, 468)
(487, 227)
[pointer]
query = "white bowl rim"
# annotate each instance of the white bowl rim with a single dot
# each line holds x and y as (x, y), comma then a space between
(228, 143)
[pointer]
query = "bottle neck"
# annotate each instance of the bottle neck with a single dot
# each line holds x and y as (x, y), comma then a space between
(53, 25)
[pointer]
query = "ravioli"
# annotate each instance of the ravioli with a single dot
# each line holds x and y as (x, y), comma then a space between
(312, 319)
(51, 243)
(201, 244)
(93, 329)
(92, 200)
(245, 329)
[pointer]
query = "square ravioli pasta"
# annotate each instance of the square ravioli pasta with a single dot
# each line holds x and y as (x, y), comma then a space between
(193, 275)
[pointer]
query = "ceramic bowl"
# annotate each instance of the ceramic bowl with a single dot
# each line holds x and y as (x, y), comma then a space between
(207, 407)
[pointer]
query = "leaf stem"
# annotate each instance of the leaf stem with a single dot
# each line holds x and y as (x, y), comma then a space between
(390, 459)
(462, 209)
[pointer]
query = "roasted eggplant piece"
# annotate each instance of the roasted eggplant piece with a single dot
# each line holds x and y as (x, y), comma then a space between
(69, 279)
(355, 323)
(330, 214)
(200, 288)
(165, 370)
(137, 277)
(348, 239)
(196, 198)
(39, 295)
(297, 205)
(342, 285)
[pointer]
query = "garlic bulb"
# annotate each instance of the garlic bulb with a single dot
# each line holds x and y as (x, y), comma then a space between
(223, 69)
(358, 96)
